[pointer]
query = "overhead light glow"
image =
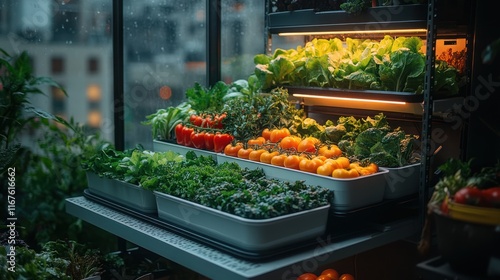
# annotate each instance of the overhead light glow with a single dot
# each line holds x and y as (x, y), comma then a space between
(350, 99)
(421, 30)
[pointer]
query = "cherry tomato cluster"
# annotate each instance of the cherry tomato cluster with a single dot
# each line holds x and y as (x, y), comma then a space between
(278, 147)
(207, 120)
(327, 274)
(471, 195)
(200, 138)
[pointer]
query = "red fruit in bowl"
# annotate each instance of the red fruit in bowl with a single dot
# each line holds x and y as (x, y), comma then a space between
(491, 196)
(468, 195)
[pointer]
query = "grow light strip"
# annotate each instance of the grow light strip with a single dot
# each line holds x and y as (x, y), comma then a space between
(418, 30)
(349, 99)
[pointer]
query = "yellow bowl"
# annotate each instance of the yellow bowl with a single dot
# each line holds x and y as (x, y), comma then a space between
(474, 214)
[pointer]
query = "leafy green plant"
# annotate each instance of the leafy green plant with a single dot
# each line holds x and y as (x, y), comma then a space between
(355, 7)
(49, 170)
(129, 165)
(163, 121)
(52, 173)
(17, 85)
(230, 188)
(56, 260)
(248, 115)
(391, 64)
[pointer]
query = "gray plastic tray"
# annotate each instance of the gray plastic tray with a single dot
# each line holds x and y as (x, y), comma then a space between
(402, 181)
(126, 194)
(248, 234)
(348, 194)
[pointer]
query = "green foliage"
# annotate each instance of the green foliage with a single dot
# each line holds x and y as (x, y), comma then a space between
(51, 173)
(17, 85)
(163, 121)
(249, 114)
(373, 139)
(129, 165)
(391, 64)
(456, 174)
(355, 7)
(207, 99)
(56, 260)
(242, 192)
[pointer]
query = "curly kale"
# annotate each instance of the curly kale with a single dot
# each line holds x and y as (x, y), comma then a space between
(384, 147)
(335, 133)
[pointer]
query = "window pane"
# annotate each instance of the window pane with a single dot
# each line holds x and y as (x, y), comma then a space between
(243, 37)
(164, 49)
(61, 37)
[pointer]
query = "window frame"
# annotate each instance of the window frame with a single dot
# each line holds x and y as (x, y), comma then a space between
(213, 63)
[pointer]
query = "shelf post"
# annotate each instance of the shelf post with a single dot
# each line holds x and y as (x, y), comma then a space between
(426, 152)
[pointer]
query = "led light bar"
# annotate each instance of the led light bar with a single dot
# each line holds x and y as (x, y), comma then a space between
(349, 99)
(418, 30)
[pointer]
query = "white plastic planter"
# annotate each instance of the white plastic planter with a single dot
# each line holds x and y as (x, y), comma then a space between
(348, 194)
(402, 181)
(128, 195)
(247, 234)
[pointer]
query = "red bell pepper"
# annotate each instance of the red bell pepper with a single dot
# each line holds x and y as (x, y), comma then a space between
(179, 137)
(209, 141)
(186, 132)
(221, 140)
(198, 139)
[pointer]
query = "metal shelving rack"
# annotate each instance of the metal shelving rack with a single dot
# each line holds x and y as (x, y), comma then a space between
(383, 18)
(217, 264)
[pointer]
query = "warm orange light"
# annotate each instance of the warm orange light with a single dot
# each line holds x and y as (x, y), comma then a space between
(350, 99)
(94, 92)
(165, 92)
(94, 118)
(418, 30)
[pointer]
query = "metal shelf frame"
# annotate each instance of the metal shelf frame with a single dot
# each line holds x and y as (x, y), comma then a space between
(216, 264)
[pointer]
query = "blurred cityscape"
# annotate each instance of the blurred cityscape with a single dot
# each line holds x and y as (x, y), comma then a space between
(164, 54)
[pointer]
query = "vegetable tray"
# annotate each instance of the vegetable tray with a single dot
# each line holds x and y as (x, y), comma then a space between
(244, 233)
(402, 181)
(126, 194)
(348, 194)
(163, 146)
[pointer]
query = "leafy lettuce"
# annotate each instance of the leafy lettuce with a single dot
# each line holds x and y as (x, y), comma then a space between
(391, 64)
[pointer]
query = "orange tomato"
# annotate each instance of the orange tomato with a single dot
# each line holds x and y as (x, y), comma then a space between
(330, 151)
(346, 276)
(266, 133)
(267, 156)
(290, 142)
(307, 276)
(345, 173)
(257, 141)
(308, 145)
(310, 165)
(244, 152)
(335, 163)
(292, 161)
(344, 162)
(325, 169)
(355, 165)
(232, 150)
(279, 160)
(332, 273)
(255, 154)
(278, 134)
(373, 167)
(324, 277)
